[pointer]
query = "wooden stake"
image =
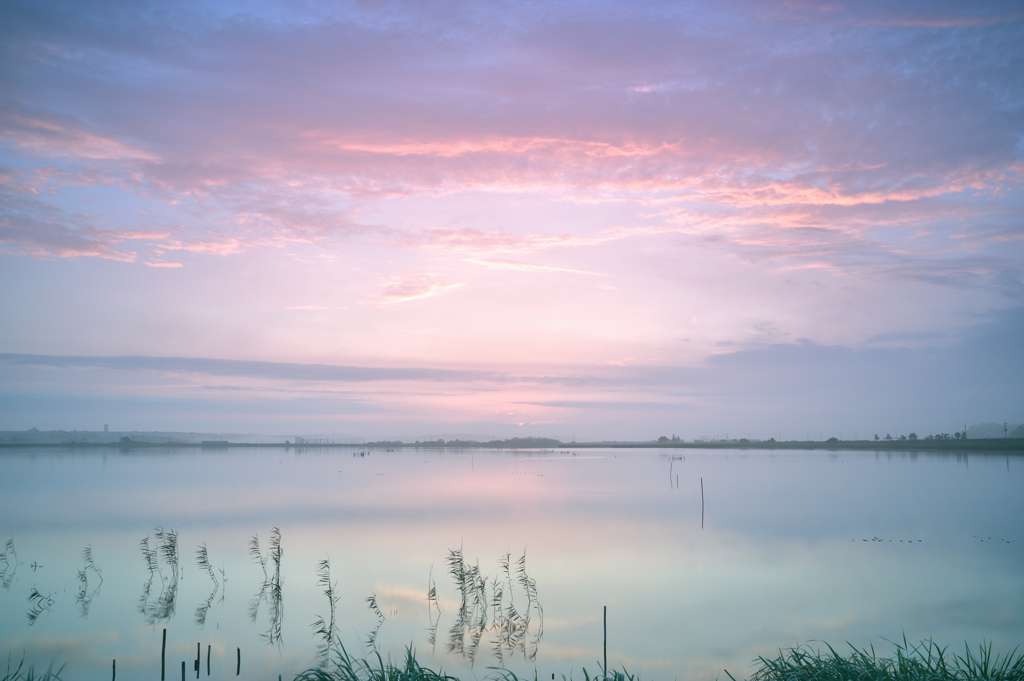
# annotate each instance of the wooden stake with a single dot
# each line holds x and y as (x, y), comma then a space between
(606, 641)
(163, 657)
(208, 648)
(238, 667)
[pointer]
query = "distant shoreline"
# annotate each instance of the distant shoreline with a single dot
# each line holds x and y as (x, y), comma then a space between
(1002, 445)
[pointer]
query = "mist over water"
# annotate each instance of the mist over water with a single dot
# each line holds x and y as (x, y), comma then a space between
(482, 558)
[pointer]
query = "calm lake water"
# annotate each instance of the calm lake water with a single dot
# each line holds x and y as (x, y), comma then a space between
(787, 548)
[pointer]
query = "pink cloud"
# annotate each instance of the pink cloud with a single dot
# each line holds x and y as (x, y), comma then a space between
(51, 139)
(492, 241)
(411, 287)
(50, 237)
(143, 235)
(525, 267)
(966, 21)
(229, 246)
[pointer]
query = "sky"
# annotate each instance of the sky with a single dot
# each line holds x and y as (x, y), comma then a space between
(573, 219)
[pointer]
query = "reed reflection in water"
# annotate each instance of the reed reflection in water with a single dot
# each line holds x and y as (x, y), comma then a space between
(371, 638)
(509, 626)
(161, 557)
(326, 629)
(433, 610)
(8, 564)
(85, 594)
(270, 590)
(39, 603)
(203, 561)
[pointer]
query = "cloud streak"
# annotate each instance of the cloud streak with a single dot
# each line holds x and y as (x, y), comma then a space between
(237, 368)
(768, 388)
(516, 265)
(409, 287)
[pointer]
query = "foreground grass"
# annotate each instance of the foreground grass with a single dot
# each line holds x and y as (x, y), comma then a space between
(30, 674)
(926, 661)
(343, 667)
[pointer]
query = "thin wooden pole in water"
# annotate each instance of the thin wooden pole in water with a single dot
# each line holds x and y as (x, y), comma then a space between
(238, 666)
(163, 657)
(606, 641)
(113, 671)
(183, 670)
(208, 648)
(702, 503)
(199, 656)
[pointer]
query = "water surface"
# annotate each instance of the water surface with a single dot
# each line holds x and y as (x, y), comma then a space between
(105, 549)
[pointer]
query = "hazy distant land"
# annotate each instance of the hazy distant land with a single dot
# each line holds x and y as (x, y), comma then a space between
(1012, 441)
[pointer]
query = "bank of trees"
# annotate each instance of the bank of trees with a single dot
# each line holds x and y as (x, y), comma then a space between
(962, 435)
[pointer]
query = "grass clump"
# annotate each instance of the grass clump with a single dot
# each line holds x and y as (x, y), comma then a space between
(926, 661)
(344, 667)
(30, 674)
